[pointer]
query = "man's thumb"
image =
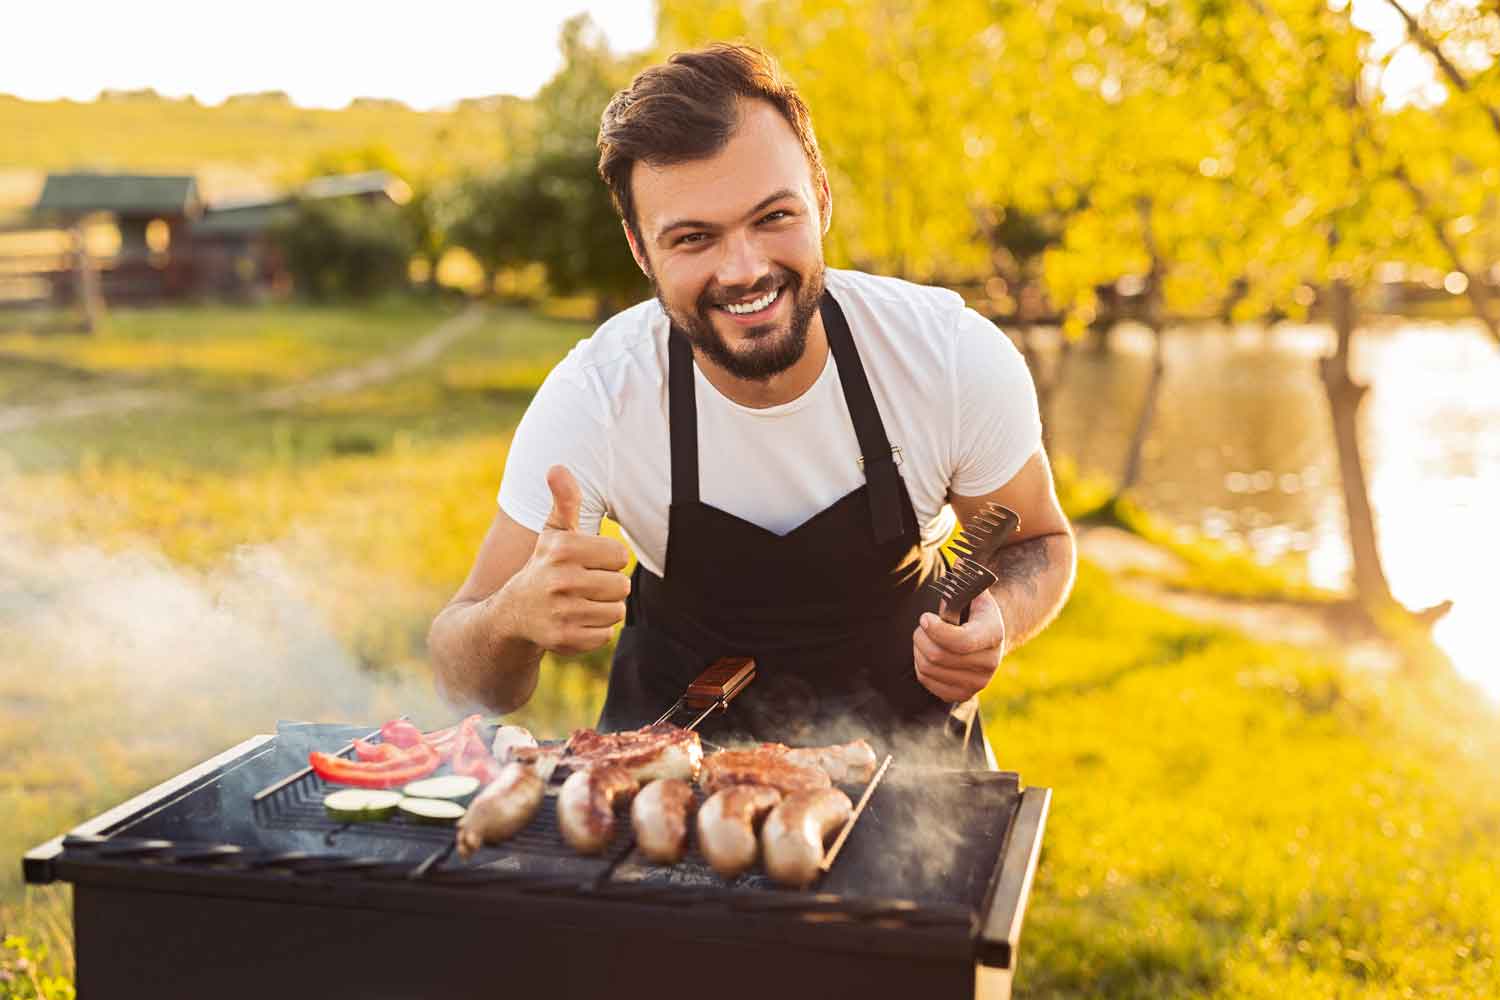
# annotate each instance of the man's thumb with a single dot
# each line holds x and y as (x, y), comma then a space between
(566, 498)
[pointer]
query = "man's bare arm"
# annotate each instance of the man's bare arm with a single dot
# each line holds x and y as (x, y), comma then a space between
(527, 593)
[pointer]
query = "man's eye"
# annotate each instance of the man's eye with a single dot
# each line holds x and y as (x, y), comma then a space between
(690, 238)
(777, 215)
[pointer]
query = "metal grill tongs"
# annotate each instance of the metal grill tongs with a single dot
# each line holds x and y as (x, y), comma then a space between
(713, 689)
(978, 546)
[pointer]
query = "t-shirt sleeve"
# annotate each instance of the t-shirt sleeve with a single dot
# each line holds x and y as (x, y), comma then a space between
(564, 425)
(999, 423)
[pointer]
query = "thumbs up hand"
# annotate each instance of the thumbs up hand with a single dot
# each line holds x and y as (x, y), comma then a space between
(571, 593)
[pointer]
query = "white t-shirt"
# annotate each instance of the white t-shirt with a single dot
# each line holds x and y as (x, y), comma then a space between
(954, 394)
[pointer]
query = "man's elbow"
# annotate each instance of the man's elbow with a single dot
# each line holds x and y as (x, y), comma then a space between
(464, 675)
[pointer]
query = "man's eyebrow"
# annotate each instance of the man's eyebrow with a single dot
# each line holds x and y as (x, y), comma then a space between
(761, 205)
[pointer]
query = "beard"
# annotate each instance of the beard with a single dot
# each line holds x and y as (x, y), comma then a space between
(768, 350)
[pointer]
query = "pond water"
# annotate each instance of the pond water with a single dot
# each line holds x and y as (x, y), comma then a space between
(1242, 451)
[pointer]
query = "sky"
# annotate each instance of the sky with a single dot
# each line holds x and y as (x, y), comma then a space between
(326, 52)
(321, 52)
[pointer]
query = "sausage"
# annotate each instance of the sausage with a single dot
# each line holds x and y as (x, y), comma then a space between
(726, 826)
(659, 816)
(586, 806)
(502, 809)
(850, 763)
(795, 831)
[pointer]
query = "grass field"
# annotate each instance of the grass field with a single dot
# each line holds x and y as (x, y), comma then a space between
(1231, 818)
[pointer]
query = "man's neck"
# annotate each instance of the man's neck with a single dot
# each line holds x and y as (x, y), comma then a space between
(780, 388)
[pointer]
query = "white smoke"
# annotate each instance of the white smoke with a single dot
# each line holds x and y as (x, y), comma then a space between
(128, 643)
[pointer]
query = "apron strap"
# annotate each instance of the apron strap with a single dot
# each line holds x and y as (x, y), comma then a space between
(682, 418)
(880, 464)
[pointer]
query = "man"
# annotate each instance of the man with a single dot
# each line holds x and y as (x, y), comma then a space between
(780, 443)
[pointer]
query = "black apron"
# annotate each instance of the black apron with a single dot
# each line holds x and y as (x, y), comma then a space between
(826, 610)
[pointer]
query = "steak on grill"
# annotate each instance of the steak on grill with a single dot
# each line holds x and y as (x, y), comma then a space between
(767, 765)
(648, 753)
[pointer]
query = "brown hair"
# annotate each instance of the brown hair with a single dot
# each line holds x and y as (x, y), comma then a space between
(687, 109)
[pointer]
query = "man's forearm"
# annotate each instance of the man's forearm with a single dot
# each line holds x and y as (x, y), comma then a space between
(1035, 578)
(475, 658)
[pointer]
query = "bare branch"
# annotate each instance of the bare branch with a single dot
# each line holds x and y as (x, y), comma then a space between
(1458, 80)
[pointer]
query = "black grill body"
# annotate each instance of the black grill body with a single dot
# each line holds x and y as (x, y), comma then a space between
(190, 890)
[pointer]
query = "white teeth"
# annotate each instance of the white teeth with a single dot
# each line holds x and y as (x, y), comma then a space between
(755, 305)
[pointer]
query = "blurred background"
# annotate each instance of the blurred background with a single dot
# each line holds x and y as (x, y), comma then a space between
(274, 293)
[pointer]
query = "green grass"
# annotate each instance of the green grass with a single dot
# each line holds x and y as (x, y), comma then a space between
(1231, 818)
(1239, 819)
(221, 349)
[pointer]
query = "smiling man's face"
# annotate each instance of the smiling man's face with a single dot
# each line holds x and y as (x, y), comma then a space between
(733, 245)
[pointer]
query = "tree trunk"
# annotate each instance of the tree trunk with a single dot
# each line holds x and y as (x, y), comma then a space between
(1131, 472)
(1344, 398)
(1151, 315)
(1047, 378)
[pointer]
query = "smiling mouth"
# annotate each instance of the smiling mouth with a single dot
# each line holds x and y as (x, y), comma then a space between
(754, 307)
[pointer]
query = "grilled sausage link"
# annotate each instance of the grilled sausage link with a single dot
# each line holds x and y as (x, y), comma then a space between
(795, 831)
(502, 809)
(586, 806)
(659, 817)
(726, 826)
(850, 763)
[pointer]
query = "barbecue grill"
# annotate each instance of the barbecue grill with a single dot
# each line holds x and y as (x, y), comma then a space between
(196, 888)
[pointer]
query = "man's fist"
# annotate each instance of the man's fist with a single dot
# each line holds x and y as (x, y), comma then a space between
(955, 662)
(570, 594)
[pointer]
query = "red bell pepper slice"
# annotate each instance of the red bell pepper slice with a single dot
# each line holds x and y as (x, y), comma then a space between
(471, 756)
(401, 733)
(408, 765)
(365, 750)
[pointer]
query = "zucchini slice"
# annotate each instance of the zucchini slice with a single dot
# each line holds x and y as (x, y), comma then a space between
(431, 810)
(455, 787)
(360, 805)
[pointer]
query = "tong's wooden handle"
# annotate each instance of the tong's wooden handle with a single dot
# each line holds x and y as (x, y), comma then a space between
(723, 679)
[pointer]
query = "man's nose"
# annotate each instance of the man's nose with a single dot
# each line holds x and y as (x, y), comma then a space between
(742, 262)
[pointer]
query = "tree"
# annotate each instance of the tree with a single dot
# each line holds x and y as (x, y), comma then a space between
(340, 248)
(582, 244)
(494, 217)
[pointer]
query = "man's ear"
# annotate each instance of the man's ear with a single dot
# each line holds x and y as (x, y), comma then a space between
(826, 208)
(635, 249)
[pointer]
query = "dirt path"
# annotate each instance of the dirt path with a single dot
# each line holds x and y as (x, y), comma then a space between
(25, 417)
(1133, 561)
(343, 380)
(381, 369)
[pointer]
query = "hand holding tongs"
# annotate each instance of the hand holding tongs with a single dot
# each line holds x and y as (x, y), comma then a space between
(978, 546)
